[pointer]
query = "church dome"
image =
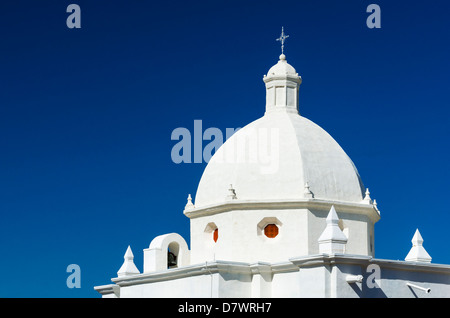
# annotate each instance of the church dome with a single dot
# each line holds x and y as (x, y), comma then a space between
(280, 156)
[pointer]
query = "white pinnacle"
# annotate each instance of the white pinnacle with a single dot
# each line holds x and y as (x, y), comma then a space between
(367, 199)
(128, 268)
(418, 252)
(332, 240)
(189, 204)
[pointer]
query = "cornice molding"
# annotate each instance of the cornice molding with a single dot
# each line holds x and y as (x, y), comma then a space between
(292, 265)
(341, 206)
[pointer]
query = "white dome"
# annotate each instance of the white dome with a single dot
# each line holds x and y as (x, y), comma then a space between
(273, 158)
(282, 68)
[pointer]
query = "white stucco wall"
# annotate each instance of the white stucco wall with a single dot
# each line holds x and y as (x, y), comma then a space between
(242, 239)
(241, 234)
(195, 286)
(310, 276)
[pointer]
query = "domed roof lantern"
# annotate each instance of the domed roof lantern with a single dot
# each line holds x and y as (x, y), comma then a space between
(282, 84)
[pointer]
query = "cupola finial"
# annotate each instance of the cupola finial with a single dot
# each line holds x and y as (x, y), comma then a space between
(282, 38)
(231, 193)
(189, 204)
(307, 192)
(367, 199)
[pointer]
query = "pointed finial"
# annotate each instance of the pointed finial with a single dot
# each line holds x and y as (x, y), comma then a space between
(367, 198)
(231, 193)
(307, 193)
(418, 252)
(128, 268)
(417, 239)
(332, 217)
(375, 205)
(282, 38)
(189, 204)
(128, 254)
(332, 240)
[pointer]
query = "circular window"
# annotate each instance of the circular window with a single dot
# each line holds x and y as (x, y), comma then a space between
(215, 235)
(271, 230)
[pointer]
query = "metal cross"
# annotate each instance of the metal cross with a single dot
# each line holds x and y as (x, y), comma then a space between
(282, 38)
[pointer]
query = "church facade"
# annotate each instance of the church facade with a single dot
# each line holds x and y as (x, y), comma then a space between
(280, 211)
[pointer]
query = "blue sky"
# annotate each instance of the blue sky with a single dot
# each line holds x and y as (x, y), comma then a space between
(86, 117)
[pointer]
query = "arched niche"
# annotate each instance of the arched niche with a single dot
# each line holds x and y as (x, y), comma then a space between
(156, 256)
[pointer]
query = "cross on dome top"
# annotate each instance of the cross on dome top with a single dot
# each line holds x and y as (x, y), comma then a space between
(282, 38)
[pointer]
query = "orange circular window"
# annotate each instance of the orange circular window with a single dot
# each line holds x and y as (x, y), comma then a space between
(215, 235)
(271, 230)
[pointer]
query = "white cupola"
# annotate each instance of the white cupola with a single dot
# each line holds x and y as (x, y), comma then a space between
(282, 84)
